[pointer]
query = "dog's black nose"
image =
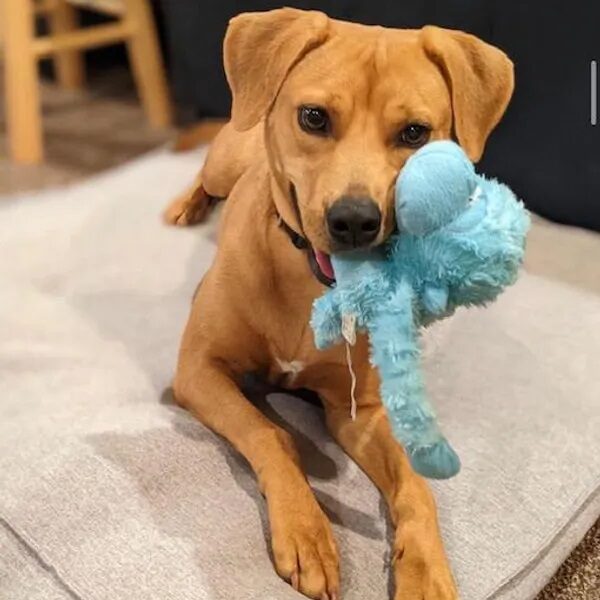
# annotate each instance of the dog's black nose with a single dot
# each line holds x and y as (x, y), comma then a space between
(353, 222)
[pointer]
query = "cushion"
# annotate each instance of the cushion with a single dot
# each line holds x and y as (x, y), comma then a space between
(108, 491)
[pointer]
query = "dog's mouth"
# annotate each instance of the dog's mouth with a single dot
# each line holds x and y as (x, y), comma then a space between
(320, 262)
(321, 266)
(324, 263)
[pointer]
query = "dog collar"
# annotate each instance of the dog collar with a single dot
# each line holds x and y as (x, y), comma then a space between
(296, 239)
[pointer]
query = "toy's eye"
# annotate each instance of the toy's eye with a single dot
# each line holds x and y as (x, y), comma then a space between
(414, 135)
(314, 119)
(477, 192)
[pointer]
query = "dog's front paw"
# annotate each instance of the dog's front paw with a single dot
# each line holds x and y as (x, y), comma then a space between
(304, 549)
(421, 570)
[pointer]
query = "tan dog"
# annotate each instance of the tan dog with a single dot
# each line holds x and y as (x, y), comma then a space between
(324, 115)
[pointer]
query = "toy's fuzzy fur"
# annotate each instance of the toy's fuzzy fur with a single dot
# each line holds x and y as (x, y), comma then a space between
(423, 277)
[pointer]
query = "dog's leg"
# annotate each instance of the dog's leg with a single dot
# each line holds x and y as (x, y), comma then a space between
(229, 155)
(303, 546)
(419, 561)
(193, 206)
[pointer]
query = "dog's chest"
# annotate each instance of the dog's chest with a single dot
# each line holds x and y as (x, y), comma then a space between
(288, 370)
(290, 354)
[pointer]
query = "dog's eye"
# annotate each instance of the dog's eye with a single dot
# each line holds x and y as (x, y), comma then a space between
(414, 135)
(313, 119)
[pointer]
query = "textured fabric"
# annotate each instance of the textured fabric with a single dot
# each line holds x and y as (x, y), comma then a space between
(22, 575)
(111, 492)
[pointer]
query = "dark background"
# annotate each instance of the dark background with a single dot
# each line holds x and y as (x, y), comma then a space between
(545, 148)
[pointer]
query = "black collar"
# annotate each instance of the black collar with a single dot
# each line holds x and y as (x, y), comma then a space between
(296, 239)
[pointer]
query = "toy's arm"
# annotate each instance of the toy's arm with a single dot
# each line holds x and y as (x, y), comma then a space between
(435, 299)
(361, 285)
(326, 320)
(395, 351)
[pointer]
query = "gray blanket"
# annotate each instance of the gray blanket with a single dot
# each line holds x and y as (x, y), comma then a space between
(109, 492)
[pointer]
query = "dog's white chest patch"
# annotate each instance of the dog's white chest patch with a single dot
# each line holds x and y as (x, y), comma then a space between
(290, 368)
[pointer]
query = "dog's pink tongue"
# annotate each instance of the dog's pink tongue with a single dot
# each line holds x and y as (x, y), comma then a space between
(324, 262)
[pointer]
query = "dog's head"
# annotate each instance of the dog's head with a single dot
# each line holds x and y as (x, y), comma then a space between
(345, 105)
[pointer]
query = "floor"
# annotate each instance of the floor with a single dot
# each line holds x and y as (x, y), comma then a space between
(93, 131)
(84, 133)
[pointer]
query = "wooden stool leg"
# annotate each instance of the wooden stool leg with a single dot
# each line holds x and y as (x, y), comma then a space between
(23, 111)
(146, 63)
(69, 64)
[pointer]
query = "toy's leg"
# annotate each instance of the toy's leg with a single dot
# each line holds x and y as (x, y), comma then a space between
(420, 566)
(394, 339)
(304, 549)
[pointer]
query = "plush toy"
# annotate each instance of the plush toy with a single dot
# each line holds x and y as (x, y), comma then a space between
(460, 242)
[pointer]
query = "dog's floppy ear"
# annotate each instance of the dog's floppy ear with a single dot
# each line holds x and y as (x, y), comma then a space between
(260, 49)
(481, 81)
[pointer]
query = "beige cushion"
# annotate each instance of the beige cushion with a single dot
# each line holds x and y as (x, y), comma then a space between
(107, 491)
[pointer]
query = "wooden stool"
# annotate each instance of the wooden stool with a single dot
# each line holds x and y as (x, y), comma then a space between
(133, 25)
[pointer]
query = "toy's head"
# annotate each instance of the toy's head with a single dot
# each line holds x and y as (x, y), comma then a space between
(434, 187)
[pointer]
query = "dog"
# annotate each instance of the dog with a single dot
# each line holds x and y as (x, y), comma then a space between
(324, 115)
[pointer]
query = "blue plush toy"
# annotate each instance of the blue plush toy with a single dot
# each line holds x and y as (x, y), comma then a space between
(460, 242)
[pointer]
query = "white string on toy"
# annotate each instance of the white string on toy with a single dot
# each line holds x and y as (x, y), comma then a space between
(349, 335)
(353, 384)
